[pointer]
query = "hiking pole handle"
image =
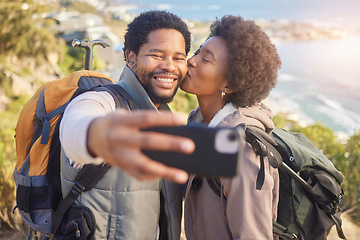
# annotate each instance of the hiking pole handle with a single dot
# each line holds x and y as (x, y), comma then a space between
(88, 45)
(88, 54)
(88, 59)
(294, 175)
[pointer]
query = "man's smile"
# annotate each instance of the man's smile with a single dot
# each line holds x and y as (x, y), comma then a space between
(164, 80)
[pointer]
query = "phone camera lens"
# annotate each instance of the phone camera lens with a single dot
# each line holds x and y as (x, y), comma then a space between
(232, 137)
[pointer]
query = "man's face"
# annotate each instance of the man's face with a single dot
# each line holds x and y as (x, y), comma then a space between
(160, 64)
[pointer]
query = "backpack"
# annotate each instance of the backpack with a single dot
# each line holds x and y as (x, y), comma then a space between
(310, 185)
(37, 171)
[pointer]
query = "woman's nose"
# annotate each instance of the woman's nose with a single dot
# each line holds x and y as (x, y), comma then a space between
(191, 62)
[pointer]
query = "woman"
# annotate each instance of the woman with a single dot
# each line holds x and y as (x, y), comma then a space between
(230, 74)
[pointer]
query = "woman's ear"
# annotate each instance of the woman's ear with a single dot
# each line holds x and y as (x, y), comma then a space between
(226, 90)
(130, 58)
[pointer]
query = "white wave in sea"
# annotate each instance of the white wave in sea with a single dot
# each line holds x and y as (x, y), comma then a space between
(330, 103)
(279, 104)
(340, 116)
(308, 109)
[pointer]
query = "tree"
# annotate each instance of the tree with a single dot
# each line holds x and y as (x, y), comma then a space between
(7, 162)
(325, 139)
(183, 102)
(21, 32)
(351, 170)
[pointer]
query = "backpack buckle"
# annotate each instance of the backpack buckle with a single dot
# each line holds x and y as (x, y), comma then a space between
(77, 188)
(39, 121)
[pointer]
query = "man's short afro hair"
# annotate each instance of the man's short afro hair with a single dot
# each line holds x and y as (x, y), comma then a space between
(253, 62)
(138, 30)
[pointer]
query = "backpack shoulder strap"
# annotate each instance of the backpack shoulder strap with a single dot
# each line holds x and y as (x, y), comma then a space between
(283, 232)
(85, 180)
(254, 136)
(215, 185)
(263, 145)
(120, 95)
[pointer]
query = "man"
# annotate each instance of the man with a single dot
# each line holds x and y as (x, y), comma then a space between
(92, 131)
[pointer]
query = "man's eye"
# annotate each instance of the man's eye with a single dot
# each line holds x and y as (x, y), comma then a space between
(205, 60)
(180, 59)
(197, 52)
(155, 56)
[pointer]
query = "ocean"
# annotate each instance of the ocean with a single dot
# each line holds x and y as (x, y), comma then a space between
(335, 11)
(320, 79)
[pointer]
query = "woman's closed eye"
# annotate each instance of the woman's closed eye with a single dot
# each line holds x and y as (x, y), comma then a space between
(205, 60)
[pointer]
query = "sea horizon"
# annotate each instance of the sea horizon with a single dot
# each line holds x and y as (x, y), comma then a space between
(319, 79)
(335, 12)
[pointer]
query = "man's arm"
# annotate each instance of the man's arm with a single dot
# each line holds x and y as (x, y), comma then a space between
(118, 138)
(93, 132)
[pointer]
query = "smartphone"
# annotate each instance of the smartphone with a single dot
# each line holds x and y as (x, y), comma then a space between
(218, 151)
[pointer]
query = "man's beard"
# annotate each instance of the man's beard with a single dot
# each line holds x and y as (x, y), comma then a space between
(155, 98)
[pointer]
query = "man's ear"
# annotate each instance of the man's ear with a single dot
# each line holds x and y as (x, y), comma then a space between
(130, 58)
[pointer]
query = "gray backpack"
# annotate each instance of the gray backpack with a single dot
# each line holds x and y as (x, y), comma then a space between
(310, 185)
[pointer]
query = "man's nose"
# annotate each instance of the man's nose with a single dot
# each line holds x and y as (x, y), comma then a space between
(168, 64)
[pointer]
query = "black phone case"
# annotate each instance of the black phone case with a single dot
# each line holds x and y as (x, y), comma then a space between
(206, 159)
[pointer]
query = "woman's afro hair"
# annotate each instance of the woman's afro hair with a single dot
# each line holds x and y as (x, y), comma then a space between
(253, 62)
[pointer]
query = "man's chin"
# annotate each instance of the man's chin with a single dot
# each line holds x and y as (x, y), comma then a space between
(160, 95)
(162, 98)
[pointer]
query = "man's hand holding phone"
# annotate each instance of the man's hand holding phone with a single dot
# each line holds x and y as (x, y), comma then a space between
(149, 145)
(118, 139)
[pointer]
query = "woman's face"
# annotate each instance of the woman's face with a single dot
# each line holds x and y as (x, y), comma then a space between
(207, 68)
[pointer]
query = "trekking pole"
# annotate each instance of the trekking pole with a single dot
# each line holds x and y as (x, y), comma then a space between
(293, 174)
(88, 45)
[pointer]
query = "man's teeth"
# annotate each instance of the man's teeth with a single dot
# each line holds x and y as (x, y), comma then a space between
(165, 80)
